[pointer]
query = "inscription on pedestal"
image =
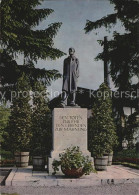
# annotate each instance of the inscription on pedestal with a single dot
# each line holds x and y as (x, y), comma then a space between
(69, 129)
(70, 123)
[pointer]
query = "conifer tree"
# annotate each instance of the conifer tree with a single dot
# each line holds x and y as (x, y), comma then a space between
(18, 131)
(19, 35)
(123, 47)
(41, 121)
(122, 54)
(102, 130)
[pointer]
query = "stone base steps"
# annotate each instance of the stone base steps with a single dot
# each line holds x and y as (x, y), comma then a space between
(113, 175)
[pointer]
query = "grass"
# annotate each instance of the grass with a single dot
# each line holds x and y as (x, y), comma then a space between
(128, 158)
(127, 164)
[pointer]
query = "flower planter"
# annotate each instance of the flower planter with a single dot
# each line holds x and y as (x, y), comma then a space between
(74, 173)
(73, 163)
(101, 163)
(21, 159)
(38, 163)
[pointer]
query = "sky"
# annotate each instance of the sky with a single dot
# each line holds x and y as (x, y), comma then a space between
(73, 15)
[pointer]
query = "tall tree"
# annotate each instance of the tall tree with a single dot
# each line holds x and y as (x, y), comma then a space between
(19, 35)
(102, 130)
(123, 48)
(18, 132)
(41, 142)
(131, 129)
(122, 54)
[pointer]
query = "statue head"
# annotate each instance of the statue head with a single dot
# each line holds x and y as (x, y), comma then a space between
(71, 51)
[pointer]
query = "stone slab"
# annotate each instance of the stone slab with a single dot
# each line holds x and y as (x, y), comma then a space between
(114, 175)
(8, 181)
(69, 128)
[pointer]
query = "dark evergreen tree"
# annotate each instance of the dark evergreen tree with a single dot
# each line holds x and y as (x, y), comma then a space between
(123, 48)
(18, 131)
(41, 142)
(122, 54)
(131, 129)
(102, 130)
(19, 35)
(4, 117)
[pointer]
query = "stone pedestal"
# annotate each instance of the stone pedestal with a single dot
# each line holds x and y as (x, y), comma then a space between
(69, 129)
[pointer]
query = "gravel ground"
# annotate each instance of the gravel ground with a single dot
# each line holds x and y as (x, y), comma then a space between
(121, 189)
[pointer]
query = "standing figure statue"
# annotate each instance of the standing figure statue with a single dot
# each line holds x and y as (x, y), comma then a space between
(70, 76)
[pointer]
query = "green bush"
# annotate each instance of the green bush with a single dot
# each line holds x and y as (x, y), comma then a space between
(4, 118)
(132, 153)
(73, 158)
(6, 155)
(102, 130)
(7, 159)
(127, 156)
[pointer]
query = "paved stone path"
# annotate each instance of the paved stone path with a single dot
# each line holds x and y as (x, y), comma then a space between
(119, 189)
(114, 175)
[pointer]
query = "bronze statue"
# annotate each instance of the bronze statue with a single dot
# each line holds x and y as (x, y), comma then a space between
(70, 76)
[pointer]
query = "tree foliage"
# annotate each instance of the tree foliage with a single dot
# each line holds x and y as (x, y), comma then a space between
(4, 117)
(18, 131)
(102, 130)
(131, 129)
(41, 141)
(18, 22)
(123, 48)
(19, 35)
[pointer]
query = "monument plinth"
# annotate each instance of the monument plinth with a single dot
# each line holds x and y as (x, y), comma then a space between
(69, 129)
